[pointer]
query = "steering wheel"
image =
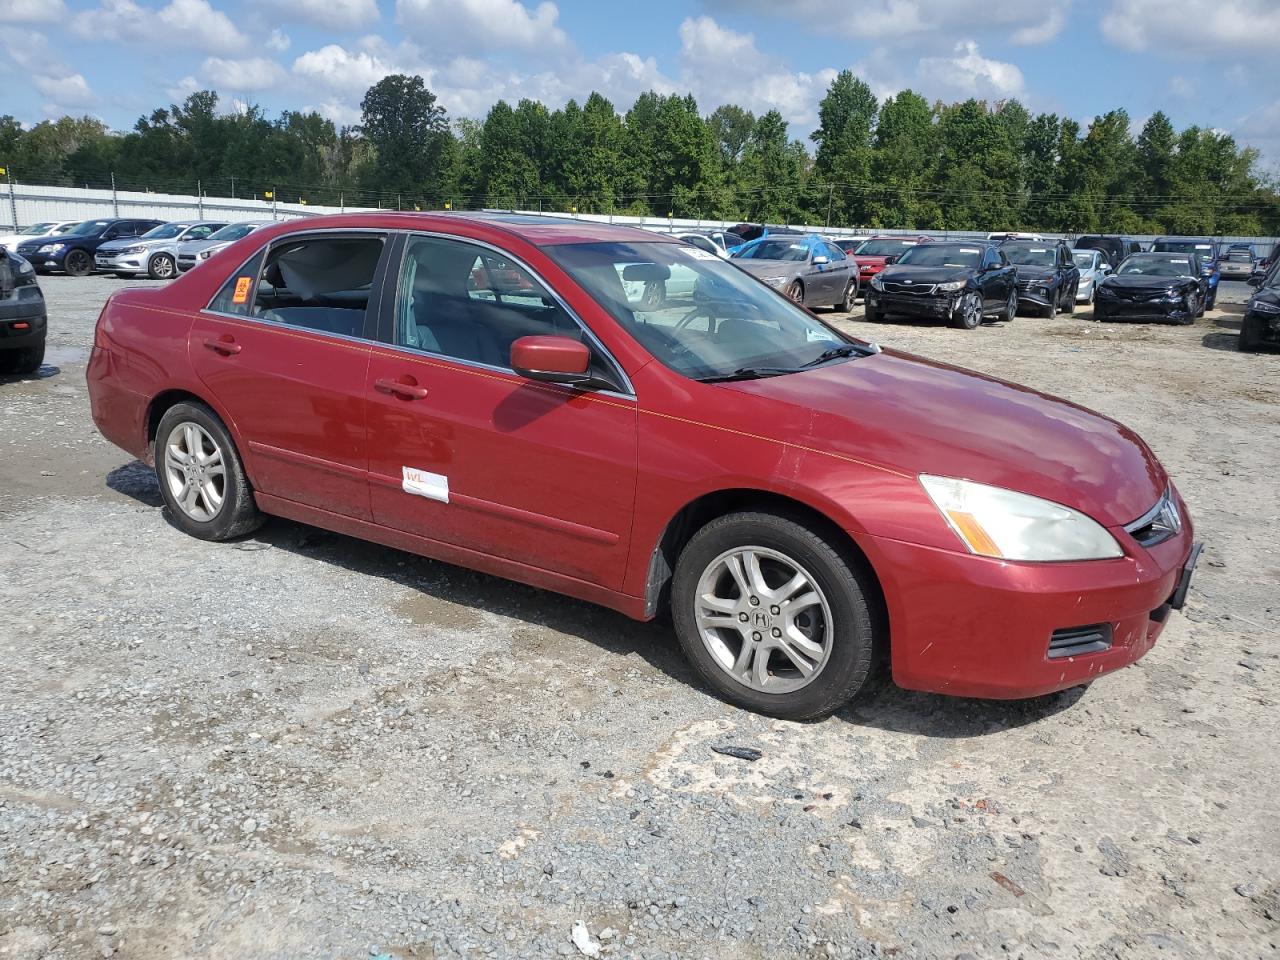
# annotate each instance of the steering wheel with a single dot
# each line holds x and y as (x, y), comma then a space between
(701, 310)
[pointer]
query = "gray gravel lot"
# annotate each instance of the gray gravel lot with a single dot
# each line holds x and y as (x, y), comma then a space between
(305, 746)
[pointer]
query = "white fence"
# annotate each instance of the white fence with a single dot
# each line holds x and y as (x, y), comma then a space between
(23, 205)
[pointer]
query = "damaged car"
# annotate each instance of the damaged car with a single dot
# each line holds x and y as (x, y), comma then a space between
(1153, 286)
(1048, 278)
(961, 282)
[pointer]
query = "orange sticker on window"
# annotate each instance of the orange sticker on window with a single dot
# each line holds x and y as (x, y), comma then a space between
(242, 290)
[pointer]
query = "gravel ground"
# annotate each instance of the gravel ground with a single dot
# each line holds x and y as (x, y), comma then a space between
(305, 746)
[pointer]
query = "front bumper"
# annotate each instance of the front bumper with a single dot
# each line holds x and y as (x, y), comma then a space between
(45, 261)
(941, 305)
(1265, 326)
(187, 262)
(974, 627)
(23, 320)
(1109, 309)
(121, 263)
(1035, 298)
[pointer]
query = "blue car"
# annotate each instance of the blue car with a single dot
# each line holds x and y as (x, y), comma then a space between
(751, 233)
(73, 251)
(1205, 250)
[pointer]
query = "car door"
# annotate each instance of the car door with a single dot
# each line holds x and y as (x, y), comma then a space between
(465, 451)
(817, 277)
(1070, 273)
(841, 271)
(284, 350)
(991, 281)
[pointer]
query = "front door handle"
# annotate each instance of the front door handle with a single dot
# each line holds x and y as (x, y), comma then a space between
(401, 388)
(224, 345)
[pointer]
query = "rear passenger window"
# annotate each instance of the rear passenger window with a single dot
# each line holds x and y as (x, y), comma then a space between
(462, 301)
(237, 294)
(319, 283)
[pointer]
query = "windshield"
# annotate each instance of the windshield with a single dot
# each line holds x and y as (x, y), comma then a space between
(775, 250)
(1201, 249)
(1030, 255)
(165, 231)
(942, 255)
(1083, 258)
(88, 228)
(883, 248)
(697, 314)
(1156, 267)
(35, 228)
(232, 231)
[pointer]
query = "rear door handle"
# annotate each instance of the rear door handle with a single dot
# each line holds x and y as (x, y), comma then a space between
(409, 391)
(225, 346)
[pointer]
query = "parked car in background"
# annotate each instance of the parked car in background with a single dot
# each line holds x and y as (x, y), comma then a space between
(806, 506)
(1048, 278)
(155, 253)
(957, 281)
(73, 251)
(756, 231)
(718, 242)
(192, 253)
(1206, 252)
(1094, 267)
(1115, 249)
(1260, 325)
(1003, 237)
(37, 231)
(850, 244)
(1238, 262)
(1153, 286)
(806, 268)
(24, 321)
(875, 253)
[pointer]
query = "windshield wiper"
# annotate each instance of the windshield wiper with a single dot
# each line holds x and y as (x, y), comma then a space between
(748, 373)
(835, 353)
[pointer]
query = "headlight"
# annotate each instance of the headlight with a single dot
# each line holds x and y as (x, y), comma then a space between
(203, 255)
(951, 287)
(24, 268)
(134, 249)
(1263, 307)
(51, 248)
(993, 522)
(1104, 291)
(877, 282)
(775, 281)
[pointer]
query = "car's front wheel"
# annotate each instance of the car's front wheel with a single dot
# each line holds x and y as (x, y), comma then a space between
(202, 480)
(1250, 335)
(78, 263)
(773, 616)
(162, 267)
(968, 315)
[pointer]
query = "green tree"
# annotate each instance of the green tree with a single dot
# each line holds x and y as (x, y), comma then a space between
(846, 117)
(407, 130)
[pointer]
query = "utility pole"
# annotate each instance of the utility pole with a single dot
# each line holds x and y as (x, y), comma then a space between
(273, 203)
(831, 189)
(13, 203)
(233, 188)
(115, 203)
(199, 200)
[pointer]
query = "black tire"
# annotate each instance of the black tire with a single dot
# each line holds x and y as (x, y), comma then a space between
(1250, 336)
(967, 316)
(871, 313)
(238, 513)
(850, 296)
(795, 293)
(162, 267)
(1051, 311)
(1070, 308)
(1211, 300)
(78, 263)
(853, 645)
(25, 360)
(1203, 307)
(1011, 308)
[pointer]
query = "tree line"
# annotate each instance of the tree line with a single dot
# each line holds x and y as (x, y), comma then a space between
(899, 162)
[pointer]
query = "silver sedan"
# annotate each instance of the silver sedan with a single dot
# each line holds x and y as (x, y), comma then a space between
(1094, 268)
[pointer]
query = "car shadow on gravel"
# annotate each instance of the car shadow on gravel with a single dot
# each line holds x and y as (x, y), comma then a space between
(933, 715)
(654, 642)
(46, 371)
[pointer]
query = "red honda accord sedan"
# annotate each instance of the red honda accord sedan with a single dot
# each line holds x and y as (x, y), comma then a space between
(496, 391)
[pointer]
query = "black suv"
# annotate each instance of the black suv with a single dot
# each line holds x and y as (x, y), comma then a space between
(73, 251)
(1048, 278)
(1115, 249)
(961, 282)
(23, 321)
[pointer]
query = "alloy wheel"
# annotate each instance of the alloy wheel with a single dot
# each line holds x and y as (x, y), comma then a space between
(77, 263)
(195, 472)
(764, 619)
(162, 267)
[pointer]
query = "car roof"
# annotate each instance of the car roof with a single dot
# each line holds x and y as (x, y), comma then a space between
(540, 231)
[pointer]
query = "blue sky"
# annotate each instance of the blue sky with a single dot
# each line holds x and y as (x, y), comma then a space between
(1207, 62)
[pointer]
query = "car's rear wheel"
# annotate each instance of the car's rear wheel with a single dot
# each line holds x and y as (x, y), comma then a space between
(795, 292)
(850, 295)
(1011, 307)
(162, 267)
(25, 360)
(773, 616)
(1070, 302)
(78, 263)
(968, 315)
(202, 480)
(872, 313)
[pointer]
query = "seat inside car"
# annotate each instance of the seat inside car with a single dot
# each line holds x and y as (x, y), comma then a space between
(321, 285)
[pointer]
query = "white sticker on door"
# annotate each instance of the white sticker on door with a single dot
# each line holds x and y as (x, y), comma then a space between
(420, 483)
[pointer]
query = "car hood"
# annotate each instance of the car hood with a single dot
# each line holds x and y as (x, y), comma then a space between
(904, 272)
(918, 416)
(1147, 282)
(1031, 272)
(769, 268)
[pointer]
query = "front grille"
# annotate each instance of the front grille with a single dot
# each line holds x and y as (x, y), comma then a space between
(920, 289)
(1162, 522)
(1078, 641)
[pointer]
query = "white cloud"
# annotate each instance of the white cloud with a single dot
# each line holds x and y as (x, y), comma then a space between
(278, 41)
(343, 70)
(474, 26)
(67, 90)
(1196, 28)
(1180, 86)
(183, 88)
(969, 74)
(903, 22)
(32, 11)
(337, 14)
(253, 74)
(1261, 129)
(192, 24)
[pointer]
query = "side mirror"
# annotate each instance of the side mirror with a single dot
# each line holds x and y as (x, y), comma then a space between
(551, 359)
(821, 259)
